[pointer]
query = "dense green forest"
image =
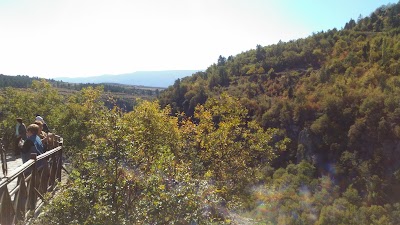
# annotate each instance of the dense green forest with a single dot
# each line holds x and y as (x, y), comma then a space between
(300, 132)
(335, 94)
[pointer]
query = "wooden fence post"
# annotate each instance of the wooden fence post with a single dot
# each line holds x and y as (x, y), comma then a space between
(60, 162)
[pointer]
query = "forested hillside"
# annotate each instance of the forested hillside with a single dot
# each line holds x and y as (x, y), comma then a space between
(301, 132)
(335, 94)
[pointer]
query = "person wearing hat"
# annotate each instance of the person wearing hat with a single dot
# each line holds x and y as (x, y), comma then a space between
(20, 133)
(45, 127)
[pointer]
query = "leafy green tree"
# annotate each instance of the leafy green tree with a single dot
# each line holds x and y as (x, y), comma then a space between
(221, 61)
(130, 171)
(228, 146)
(71, 119)
(152, 130)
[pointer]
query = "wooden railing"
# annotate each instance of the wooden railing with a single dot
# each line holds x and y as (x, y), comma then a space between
(34, 178)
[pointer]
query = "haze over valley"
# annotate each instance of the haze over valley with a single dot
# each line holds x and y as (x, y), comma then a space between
(161, 79)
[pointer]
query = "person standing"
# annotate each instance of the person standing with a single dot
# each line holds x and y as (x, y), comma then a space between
(20, 133)
(45, 127)
(42, 135)
(33, 144)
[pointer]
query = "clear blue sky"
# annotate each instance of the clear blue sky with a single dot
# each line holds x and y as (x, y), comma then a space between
(53, 38)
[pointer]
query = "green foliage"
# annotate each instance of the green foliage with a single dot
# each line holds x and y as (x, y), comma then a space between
(207, 147)
(152, 131)
(74, 115)
(41, 99)
(16, 81)
(131, 169)
(227, 145)
(340, 87)
(292, 196)
(146, 167)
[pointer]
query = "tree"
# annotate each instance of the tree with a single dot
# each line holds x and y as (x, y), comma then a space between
(260, 53)
(350, 25)
(228, 145)
(221, 61)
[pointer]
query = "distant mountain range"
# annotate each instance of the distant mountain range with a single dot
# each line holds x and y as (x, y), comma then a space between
(139, 78)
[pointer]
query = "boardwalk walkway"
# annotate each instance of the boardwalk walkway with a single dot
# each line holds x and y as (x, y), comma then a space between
(12, 163)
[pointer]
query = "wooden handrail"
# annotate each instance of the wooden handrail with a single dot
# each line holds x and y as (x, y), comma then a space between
(48, 153)
(17, 172)
(34, 178)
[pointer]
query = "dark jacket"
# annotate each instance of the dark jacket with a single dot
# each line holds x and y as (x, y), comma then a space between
(32, 145)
